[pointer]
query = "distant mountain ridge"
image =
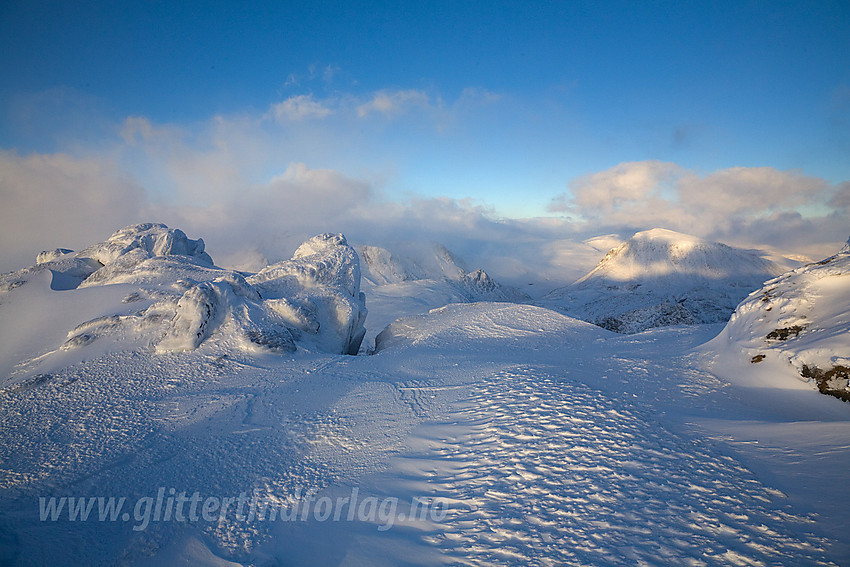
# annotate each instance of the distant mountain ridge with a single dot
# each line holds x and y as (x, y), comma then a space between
(433, 262)
(414, 278)
(661, 277)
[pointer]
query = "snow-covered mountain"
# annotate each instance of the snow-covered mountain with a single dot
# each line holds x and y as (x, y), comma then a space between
(422, 276)
(799, 321)
(660, 277)
(410, 261)
(151, 287)
(478, 433)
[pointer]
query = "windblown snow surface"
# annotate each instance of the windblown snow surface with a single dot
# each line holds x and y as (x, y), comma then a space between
(477, 434)
(660, 277)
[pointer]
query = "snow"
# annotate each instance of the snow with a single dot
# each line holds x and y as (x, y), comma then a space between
(421, 277)
(799, 323)
(661, 277)
(479, 432)
(152, 239)
(180, 299)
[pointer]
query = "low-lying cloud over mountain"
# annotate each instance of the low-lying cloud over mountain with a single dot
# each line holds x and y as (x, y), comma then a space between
(241, 181)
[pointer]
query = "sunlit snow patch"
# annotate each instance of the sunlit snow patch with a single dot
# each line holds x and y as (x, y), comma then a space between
(801, 320)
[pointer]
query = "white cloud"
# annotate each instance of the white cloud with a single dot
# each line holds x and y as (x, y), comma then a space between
(735, 205)
(300, 107)
(841, 199)
(392, 103)
(619, 187)
(749, 189)
(329, 73)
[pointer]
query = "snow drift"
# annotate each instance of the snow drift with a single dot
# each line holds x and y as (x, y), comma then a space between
(184, 300)
(800, 320)
(660, 277)
(416, 277)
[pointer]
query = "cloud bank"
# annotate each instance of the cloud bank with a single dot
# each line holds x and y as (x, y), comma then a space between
(255, 185)
(755, 206)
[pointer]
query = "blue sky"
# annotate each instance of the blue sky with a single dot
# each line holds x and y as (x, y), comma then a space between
(508, 106)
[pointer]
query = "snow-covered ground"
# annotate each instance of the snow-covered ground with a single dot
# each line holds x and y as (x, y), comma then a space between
(794, 328)
(477, 433)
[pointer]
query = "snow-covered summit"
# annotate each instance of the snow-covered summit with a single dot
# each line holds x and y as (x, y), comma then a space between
(668, 256)
(660, 277)
(799, 321)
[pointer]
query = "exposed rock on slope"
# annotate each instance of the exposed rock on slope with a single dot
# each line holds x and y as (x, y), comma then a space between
(801, 318)
(660, 277)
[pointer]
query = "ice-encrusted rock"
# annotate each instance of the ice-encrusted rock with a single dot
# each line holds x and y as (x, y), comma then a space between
(67, 272)
(801, 318)
(321, 289)
(660, 277)
(153, 239)
(148, 252)
(141, 253)
(48, 255)
(313, 300)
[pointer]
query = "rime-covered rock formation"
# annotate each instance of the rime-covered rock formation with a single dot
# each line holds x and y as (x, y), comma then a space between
(184, 300)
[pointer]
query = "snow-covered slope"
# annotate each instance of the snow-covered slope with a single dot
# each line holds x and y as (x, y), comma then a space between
(150, 287)
(479, 434)
(433, 262)
(420, 277)
(660, 277)
(798, 323)
(410, 261)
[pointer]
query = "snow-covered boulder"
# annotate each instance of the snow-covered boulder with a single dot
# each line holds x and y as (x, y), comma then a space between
(153, 239)
(660, 277)
(183, 301)
(66, 269)
(318, 292)
(801, 319)
(149, 252)
(142, 252)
